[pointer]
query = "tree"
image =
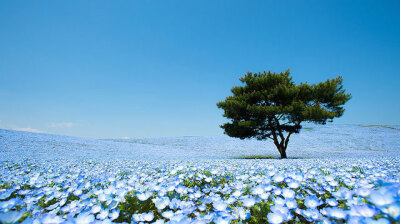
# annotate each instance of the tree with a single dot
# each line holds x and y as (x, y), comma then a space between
(271, 106)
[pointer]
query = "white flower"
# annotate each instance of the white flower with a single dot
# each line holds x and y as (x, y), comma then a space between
(102, 215)
(240, 213)
(230, 200)
(265, 195)
(311, 214)
(393, 210)
(288, 193)
(114, 214)
(278, 178)
(84, 218)
(293, 184)
(381, 197)
(95, 209)
(161, 203)
(363, 210)
(202, 207)
(174, 203)
(222, 220)
(137, 218)
(167, 214)
(312, 202)
(197, 194)
(237, 193)
(144, 196)
(277, 191)
(291, 203)
(258, 190)
(179, 189)
(331, 202)
(148, 216)
(102, 197)
(279, 201)
(78, 192)
(275, 218)
(220, 206)
(336, 213)
(343, 193)
(249, 202)
(364, 192)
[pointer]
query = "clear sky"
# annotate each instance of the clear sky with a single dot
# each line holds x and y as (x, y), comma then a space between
(157, 68)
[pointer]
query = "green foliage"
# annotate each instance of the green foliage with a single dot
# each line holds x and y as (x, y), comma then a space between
(393, 127)
(358, 169)
(259, 212)
(71, 197)
(44, 204)
(132, 205)
(200, 183)
(256, 157)
(270, 105)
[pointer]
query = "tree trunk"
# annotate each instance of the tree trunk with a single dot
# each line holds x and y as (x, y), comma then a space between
(282, 149)
(283, 153)
(282, 145)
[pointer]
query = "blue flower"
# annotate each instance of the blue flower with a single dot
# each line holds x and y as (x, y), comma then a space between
(275, 217)
(393, 210)
(84, 218)
(381, 197)
(288, 193)
(343, 194)
(11, 217)
(258, 190)
(363, 210)
(336, 213)
(291, 203)
(331, 202)
(311, 214)
(312, 202)
(249, 202)
(167, 214)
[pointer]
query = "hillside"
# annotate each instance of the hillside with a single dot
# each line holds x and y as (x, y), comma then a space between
(335, 141)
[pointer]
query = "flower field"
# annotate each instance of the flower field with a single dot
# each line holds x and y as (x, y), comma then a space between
(339, 189)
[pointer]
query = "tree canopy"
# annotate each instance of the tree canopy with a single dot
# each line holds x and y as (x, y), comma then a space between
(271, 106)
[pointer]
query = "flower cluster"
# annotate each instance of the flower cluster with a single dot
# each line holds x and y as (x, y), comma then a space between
(214, 191)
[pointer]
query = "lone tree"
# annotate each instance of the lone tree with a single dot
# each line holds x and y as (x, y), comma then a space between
(271, 105)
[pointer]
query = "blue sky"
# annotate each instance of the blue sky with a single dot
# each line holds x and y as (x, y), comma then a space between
(157, 68)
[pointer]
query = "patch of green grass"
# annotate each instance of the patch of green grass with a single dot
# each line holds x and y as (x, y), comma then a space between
(264, 157)
(124, 173)
(216, 181)
(259, 212)
(132, 205)
(374, 125)
(324, 172)
(358, 169)
(307, 128)
(42, 202)
(257, 157)
(6, 186)
(379, 125)
(71, 197)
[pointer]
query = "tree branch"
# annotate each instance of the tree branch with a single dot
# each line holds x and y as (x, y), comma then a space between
(279, 129)
(287, 140)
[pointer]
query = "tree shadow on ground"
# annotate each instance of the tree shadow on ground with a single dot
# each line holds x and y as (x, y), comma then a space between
(265, 157)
